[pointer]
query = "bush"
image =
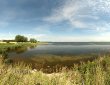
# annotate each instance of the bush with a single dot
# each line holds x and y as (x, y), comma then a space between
(20, 38)
(32, 40)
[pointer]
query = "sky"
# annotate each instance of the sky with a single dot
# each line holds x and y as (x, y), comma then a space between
(56, 20)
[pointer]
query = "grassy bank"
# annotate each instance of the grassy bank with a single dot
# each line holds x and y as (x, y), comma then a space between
(4, 47)
(13, 47)
(52, 63)
(96, 72)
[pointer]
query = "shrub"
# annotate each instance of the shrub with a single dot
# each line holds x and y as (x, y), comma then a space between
(32, 40)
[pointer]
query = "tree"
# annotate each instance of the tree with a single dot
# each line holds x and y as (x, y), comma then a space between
(20, 38)
(32, 40)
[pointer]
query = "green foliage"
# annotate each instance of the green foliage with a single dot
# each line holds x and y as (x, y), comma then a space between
(8, 47)
(32, 40)
(20, 38)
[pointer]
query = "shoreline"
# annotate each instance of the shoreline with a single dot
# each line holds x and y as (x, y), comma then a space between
(93, 72)
(49, 63)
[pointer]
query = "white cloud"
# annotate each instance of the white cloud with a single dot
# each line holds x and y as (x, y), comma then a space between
(81, 14)
(100, 5)
(65, 12)
(78, 24)
(102, 27)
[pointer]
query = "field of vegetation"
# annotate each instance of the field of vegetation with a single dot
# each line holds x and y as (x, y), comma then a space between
(96, 72)
(52, 63)
(11, 46)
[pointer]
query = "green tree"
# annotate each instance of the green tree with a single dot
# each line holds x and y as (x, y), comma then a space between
(32, 40)
(20, 38)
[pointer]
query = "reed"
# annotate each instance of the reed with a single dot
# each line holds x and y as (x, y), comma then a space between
(96, 72)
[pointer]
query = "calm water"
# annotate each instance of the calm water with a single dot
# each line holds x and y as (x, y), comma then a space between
(53, 56)
(64, 48)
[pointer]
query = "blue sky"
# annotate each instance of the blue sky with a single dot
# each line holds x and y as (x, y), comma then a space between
(56, 20)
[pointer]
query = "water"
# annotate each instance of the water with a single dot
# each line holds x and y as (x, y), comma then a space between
(53, 56)
(65, 48)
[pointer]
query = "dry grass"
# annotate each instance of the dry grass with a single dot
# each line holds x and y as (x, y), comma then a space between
(91, 73)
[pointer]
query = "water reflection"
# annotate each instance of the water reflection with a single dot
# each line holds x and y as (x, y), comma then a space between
(60, 50)
(21, 50)
(31, 47)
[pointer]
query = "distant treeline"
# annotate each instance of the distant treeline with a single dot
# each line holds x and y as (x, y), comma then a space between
(20, 38)
(8, 41)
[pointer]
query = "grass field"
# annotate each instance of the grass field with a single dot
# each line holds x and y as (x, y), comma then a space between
(96, 72)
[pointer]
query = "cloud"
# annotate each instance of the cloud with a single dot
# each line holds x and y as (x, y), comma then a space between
(81, 14)
(102, 27)
(42, 29)
(61, 13)
(100, 5)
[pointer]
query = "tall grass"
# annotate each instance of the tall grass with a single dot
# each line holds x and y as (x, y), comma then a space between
(96, 72)
(11, 47)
